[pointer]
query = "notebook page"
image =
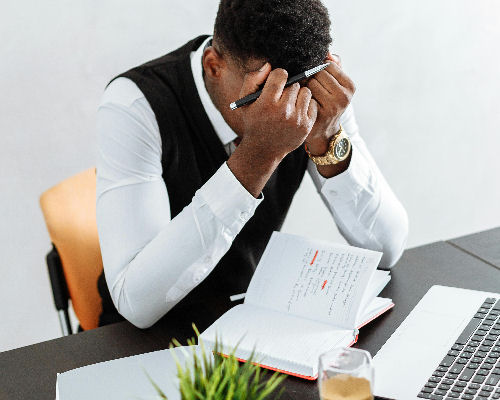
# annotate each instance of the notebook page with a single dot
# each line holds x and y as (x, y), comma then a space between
(379, 281)
(313, 279)
(281, 341)
(377, 306)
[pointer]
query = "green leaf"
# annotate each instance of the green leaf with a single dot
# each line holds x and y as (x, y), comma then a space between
(156, 387)
(215, 377)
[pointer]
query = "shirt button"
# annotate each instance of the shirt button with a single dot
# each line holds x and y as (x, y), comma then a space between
(244, 215)
(333, 192)
(208, 259)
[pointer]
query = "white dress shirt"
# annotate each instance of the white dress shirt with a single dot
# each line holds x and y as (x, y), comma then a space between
(151, 260)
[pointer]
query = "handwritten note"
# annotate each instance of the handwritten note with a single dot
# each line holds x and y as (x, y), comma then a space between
(327, 273)
(313, 279)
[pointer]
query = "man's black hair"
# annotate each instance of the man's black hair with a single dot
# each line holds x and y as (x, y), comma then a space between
(290, 34)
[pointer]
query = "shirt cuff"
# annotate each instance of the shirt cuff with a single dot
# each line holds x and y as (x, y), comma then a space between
(230, 202)
(351, 182)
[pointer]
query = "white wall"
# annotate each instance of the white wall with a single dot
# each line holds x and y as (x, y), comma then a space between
(427, 102)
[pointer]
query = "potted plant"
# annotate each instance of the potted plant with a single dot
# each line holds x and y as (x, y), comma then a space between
(222, 377)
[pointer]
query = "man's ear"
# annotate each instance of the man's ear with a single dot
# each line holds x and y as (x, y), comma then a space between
(213, 63)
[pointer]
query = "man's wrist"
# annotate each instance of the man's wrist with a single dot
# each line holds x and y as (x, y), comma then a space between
(318, 144)
(267, 154)
(329, 171)
(253, 164)
(318, 149)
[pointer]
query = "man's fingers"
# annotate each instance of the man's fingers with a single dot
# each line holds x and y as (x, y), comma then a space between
(289, 97)
(303, 100)
(335, 58)
(273, 89)
(312, 111)
(307, 106)
(328, 82)
(254, 79)
(334, 70)
(322, 96)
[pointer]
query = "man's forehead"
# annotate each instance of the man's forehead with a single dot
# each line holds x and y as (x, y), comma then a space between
(252, 65)
(244, 66)
(249, 65)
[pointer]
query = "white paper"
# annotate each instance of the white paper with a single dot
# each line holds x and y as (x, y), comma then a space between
(377, 305)
(124, 378)
(313, 279)
(379, 281)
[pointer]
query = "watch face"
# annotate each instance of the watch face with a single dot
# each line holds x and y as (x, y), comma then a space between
(341, 148)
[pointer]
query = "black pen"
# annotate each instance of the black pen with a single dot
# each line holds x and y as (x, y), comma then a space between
(254, 96)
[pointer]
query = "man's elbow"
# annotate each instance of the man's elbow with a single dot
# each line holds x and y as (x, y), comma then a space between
(134, 313)
(139, 321)
(390, 257)
(394, 246)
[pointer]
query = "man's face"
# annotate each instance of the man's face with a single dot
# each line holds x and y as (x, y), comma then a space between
(223, 79)
(224, 85)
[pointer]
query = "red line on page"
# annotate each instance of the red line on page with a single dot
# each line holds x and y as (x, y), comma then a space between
(314, 258)
(324, 284)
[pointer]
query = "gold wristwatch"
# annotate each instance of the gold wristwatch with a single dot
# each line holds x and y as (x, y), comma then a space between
(338, 150)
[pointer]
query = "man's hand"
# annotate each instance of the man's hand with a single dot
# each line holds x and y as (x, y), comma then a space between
(277, 123)
(333, 91)
(280, 119)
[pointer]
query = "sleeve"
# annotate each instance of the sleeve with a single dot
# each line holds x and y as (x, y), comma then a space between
(365, 209)
(150, 260)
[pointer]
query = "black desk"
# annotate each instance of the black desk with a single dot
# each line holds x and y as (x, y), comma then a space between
(484, 245)
(30, 372)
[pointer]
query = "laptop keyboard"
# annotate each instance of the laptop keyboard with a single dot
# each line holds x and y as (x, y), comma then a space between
(471, 369)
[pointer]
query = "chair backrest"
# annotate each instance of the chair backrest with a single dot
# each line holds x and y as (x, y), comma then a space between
(70, 214)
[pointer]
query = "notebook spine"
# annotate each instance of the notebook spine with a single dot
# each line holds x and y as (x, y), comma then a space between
(260, 356)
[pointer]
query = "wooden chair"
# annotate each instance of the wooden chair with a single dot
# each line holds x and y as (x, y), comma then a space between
(75, 262)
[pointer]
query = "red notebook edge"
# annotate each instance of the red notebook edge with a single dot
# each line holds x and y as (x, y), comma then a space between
(376, 315)
(313, 378)
(309, 378)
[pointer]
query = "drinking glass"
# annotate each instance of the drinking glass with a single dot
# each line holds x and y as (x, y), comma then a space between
(345, 374)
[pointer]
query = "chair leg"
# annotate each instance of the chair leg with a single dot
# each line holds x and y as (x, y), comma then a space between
(64, 322)
(59, 290)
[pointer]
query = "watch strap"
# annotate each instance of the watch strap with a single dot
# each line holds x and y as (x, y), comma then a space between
(329, 158)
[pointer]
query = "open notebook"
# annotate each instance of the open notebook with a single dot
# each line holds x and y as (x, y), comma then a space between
(306, 297)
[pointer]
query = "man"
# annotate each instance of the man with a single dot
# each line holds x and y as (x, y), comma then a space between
(189, 191)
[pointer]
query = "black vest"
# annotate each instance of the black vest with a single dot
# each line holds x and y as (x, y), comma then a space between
(192, 153)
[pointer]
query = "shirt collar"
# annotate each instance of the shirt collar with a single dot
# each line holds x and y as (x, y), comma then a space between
(223, 130)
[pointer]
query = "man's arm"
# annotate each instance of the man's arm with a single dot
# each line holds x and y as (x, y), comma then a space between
(364, 207)
(150, 260)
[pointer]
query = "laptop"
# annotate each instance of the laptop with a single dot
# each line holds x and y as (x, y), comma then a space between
(448, 347)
